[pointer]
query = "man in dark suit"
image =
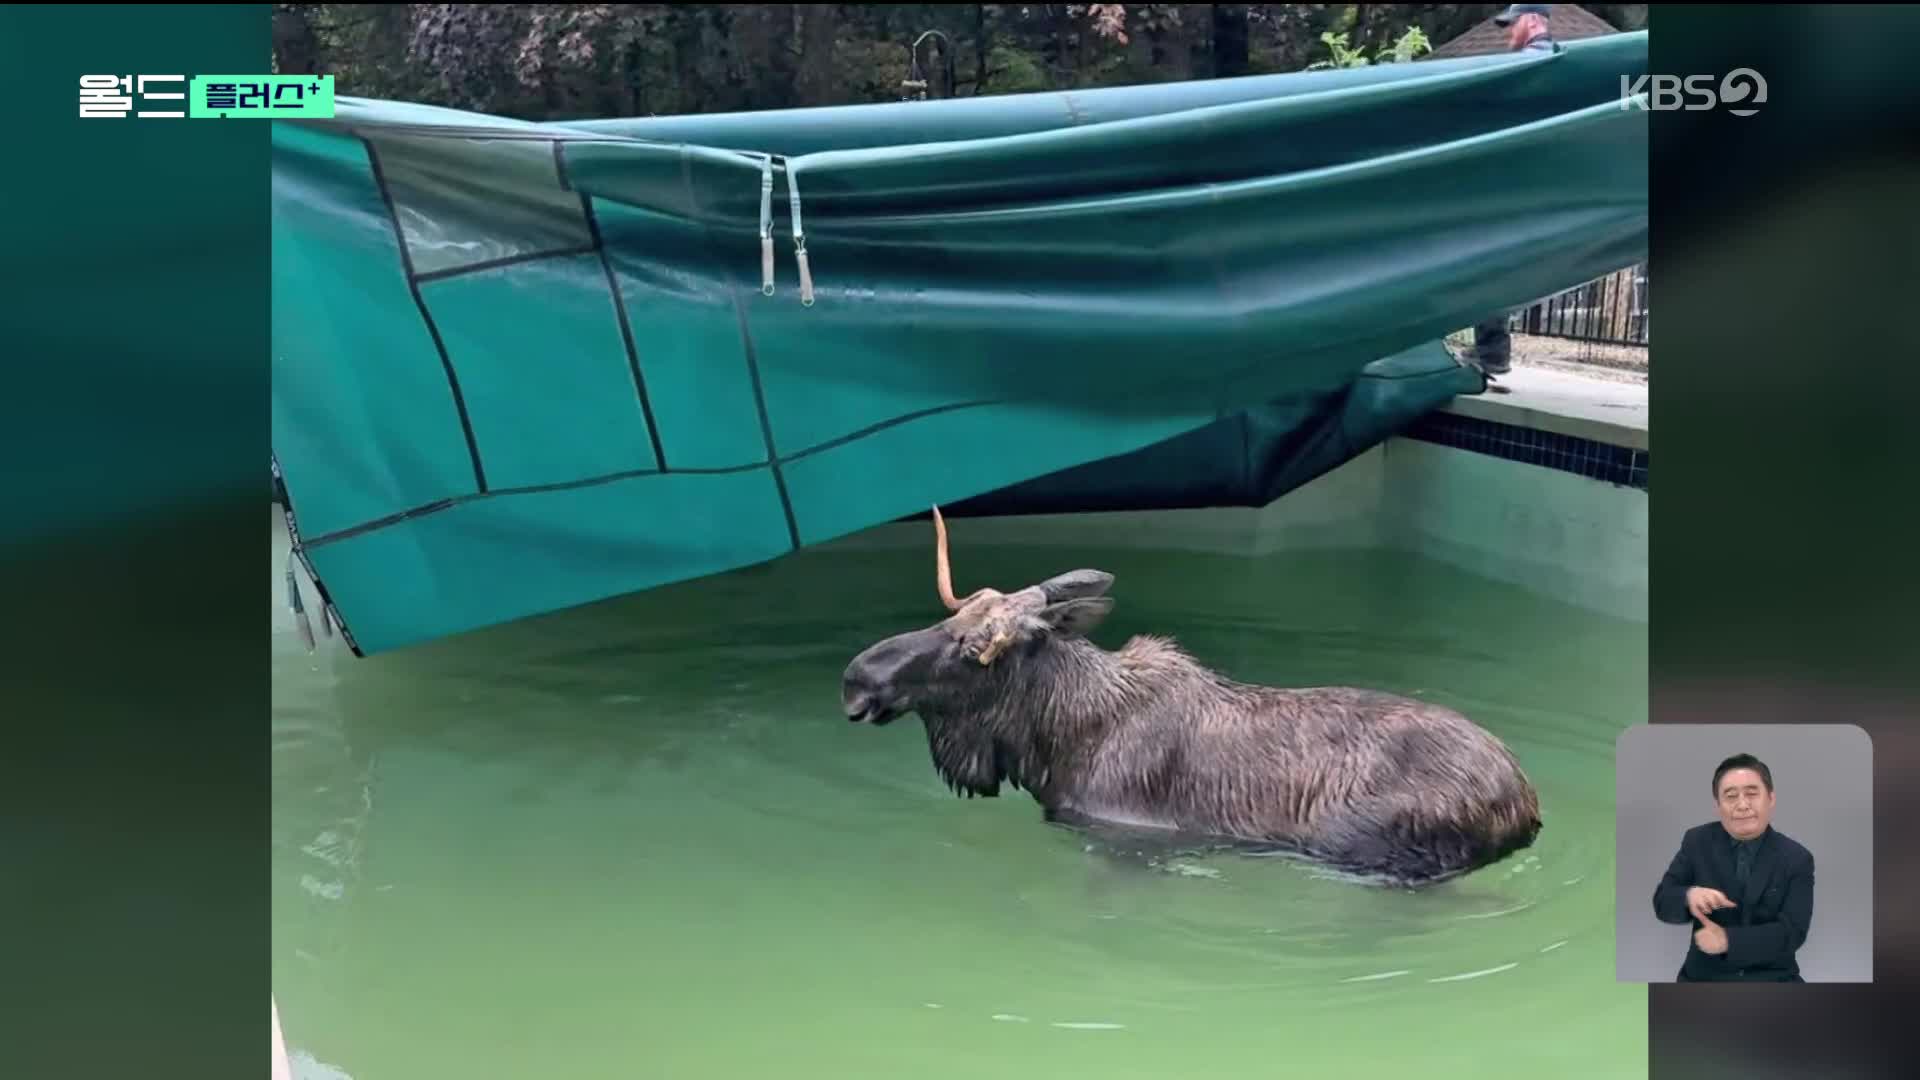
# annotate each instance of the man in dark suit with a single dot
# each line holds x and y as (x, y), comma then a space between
(1746, 888)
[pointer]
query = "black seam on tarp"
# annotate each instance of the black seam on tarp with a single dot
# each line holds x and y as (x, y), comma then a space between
(438, 505)
(753, 361)
(560, 166)
(329, 608)
(873, 429)
(830, 444)
(420, 302)
(766, 426)
(620, 313)
(505, 260)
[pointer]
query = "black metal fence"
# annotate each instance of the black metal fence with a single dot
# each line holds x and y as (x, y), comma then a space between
(1610, 310)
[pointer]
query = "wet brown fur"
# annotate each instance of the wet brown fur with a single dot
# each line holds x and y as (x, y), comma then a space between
(1148, 737)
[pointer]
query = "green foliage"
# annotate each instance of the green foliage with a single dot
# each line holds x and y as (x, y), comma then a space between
(1343, 56)
(1410, 45)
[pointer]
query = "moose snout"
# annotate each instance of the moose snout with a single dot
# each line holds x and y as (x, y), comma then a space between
(874, 686)
(866, 696)
(861, 687)
(856, 693)
(864, 701)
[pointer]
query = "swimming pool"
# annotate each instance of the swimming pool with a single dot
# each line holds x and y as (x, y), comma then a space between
(639, 838)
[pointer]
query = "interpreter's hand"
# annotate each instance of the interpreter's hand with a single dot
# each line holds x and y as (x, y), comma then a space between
(1702, 901)
(1711, 938)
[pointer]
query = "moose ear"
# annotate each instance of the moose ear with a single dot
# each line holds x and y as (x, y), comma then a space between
(1076, 618)
(1075, 584)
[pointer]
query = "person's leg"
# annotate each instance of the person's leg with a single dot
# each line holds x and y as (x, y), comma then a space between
(1493, 345)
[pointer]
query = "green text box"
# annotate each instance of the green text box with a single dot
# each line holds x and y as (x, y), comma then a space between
(260, 97)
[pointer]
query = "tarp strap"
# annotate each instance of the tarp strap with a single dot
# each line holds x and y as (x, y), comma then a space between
(766, 225)
(799, 237)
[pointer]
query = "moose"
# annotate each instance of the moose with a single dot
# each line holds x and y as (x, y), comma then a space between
(1010, 690)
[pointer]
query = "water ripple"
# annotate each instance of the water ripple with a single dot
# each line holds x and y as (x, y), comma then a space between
(1380, 975)
(1475, 974)
(1497, 914)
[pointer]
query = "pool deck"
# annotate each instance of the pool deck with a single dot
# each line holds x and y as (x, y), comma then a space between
(1604, 407)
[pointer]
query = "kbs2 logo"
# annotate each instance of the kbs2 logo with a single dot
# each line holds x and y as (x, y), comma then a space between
(1739, 91)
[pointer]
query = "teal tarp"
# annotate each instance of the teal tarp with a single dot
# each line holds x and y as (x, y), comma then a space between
(519, 367)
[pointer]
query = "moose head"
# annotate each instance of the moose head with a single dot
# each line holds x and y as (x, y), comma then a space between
(972, 656)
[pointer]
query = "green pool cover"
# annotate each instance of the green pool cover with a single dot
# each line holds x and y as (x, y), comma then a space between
(519, 367)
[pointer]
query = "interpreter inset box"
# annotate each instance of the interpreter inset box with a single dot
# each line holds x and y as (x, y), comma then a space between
(1743, 853)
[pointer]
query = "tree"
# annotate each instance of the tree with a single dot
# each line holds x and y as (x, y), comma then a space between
(553, 61)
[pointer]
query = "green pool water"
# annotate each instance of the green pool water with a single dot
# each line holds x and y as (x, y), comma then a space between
(640, 840)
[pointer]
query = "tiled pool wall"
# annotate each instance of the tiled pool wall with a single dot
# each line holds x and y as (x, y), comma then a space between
(1561, 515)
(1596, 460)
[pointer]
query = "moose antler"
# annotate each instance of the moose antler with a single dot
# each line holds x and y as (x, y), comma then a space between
(942, 573)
